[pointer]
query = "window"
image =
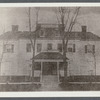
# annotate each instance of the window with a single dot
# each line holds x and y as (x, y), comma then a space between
(89, 48)
(8, 48)
(49, 46)
(71, 48)
(61, 67)
(60, 47)
(28, 47)
(39, 47)
(37, 66)
(42, 33)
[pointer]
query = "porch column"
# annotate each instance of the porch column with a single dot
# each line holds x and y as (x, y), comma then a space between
(41, 70)
(58, 70)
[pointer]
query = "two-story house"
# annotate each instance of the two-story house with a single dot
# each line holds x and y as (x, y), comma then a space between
(82, 55)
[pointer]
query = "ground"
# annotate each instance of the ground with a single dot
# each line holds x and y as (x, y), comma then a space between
(70, 87)
(50, 83)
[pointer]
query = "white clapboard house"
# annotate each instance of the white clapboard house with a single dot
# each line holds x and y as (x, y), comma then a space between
(83, 55)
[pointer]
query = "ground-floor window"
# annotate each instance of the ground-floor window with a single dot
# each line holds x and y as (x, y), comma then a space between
(37, 66)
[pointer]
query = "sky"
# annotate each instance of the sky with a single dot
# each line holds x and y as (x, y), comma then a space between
(89, 16)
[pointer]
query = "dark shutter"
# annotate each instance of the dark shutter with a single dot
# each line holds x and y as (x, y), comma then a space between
(85, 48)
(73, 47)
(4, 48)
(12, 48)
(93, 48)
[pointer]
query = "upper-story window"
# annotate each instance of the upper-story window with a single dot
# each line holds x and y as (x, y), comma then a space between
(8, 48)
(59, 47)
(71, 48)
(49, 46)
(39, 47)
(42, 33)
(89, 48)
(28, 47)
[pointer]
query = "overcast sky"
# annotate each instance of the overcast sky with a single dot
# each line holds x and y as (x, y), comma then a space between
(89, 16)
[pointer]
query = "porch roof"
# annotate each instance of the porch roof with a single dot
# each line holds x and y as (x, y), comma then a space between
(49, 56)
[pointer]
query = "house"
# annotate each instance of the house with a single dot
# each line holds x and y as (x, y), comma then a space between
(82, 55)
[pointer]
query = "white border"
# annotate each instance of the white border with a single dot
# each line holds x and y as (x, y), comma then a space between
(49, 4)
(42, 93)
(51, 94)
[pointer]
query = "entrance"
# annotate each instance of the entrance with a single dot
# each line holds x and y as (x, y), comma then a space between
(49, 68)
(50, 77)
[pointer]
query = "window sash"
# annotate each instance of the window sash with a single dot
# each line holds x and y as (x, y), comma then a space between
(39, 47)
(71, 48)
(49, 46)
(28, 47)
(60, 47)
(8, 48)
(89, 48)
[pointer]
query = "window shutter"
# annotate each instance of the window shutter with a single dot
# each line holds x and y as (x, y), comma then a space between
(4, 48)
(93, 48)
(85, 48)
(73, 47)
(12, 48)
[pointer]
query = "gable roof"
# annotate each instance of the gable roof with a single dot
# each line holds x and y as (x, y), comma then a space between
(50, 33)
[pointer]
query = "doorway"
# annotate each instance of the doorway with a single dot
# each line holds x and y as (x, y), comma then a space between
(49, 68)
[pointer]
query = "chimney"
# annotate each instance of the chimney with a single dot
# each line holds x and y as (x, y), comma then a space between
(15, 28)
(84, 29)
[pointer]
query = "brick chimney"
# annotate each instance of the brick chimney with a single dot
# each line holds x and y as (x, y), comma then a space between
(84, 29)
(15, 28)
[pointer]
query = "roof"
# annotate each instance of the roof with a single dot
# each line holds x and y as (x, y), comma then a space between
(16, 35)
(50, 33)
(49, 55)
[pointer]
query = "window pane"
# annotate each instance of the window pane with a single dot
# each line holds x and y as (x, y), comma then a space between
(60, 47)
(49, 47)
(8, 48)
(28, 47)
(93, 48)
(37, 66)
(42, 33)
(89, 48)
(39, 47)
(70, 50)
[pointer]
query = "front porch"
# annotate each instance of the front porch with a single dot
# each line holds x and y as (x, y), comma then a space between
(48, 65)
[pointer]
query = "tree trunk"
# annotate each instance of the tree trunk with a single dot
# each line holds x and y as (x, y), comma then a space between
(33, 62)
(65, 64)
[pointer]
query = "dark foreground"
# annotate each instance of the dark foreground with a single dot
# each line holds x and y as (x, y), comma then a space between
(34, 87)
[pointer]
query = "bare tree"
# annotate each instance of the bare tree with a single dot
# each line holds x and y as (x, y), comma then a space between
(2, 51)
(32, 40)
(66, 18)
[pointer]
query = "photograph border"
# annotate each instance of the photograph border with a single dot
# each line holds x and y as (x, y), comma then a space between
(51, 94)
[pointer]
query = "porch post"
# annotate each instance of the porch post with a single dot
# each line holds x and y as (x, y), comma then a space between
(58, 70)
(41, 70)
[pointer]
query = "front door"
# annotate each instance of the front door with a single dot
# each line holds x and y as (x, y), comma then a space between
(49, 68)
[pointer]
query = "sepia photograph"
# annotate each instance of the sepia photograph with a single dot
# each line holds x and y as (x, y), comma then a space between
(49, 48)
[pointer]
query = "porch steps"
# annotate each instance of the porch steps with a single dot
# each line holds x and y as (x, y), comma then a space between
(50, 83)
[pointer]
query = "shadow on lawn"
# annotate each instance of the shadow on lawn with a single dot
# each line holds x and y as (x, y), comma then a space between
(34, 87)
(80, 87)
(17, 87)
